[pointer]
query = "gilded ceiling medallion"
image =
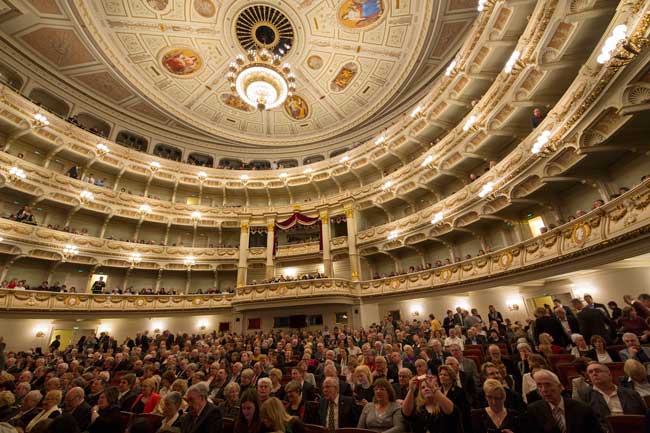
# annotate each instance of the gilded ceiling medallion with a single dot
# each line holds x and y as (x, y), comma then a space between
(359, 14)
(157, 5)
(315, 62)
(205, 8)
(296, 107)
(181, 61)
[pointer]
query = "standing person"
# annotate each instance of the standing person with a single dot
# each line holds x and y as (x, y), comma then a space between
(494, 315)
(591, 321)
(98, 286)
(555, 413)
(545, 323)
(203, 416)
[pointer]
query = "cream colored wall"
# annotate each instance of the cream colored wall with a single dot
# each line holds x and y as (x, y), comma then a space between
(328, 312)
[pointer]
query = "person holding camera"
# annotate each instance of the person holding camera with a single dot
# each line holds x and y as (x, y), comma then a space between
(495, 418)
(427, 409)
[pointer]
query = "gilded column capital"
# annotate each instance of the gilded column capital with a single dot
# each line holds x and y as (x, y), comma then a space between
(270, 226)
(244, 226)
(349, 212)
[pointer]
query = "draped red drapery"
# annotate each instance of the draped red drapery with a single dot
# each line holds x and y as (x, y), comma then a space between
(296, 218)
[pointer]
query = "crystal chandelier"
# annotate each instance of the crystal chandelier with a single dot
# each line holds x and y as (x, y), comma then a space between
(261, 79)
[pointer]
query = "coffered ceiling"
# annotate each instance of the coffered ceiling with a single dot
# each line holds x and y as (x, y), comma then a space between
(360, 63)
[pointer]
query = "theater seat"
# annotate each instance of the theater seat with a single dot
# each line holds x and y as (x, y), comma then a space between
(155, 421)
(354, 430)
(627, 423)
(314, 428)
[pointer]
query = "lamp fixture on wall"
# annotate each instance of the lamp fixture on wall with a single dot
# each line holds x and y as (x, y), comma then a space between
(102, 149)
(154, 166)
(135, 258)
(189, 262)
(16, 174)
(86, 196)
(69, 251)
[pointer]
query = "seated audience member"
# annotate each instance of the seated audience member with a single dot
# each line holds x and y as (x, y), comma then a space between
(581, 383)
(28, 410)
(631, 322)
(428, 410)
(344, 387)
(537, 118)
(600, 351)
(554, 413)
(148, 398)
(495, 417)
(528, 385)
(636, 377)
(230, 405)
(383, 414)
(308, 390)
(7, 401)
(263, 389)
(248, 420)
(49, 409)
(465, 381)
(363, 389)
(335, 410)
(172, 415)
(63, 424)
(277, 389)
(77, 407)
(295, 405)
(466, 365)
(401, 387)
(127, 394)
(634, 350)
(106, 417)
(605, 398)
(203, 416)
(447, 380)
(581, 347)
(276, 419)
(513, 399)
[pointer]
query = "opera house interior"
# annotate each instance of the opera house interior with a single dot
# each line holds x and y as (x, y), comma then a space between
(251, 216)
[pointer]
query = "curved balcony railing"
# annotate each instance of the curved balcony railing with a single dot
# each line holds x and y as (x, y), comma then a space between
(621, 223)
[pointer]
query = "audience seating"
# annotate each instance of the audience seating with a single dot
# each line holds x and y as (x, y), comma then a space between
(354, 430)
(627, 423)
(228, 425)
(155, 421)
(616, 368)
(477, 360)
(314, 428)
(126, 419)
(566, 373)
(555, 360)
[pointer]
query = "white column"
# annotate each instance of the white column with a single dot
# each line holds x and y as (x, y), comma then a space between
(352, 243)
(328, 269)
(270, 240)
(242, 269)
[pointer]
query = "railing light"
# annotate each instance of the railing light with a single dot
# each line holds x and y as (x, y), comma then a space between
(470, 122)
(618, 35)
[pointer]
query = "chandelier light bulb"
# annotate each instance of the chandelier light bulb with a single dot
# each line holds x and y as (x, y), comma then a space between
(70, 250)
(393, 234)
(86, 195)
(283, 175)
(387, 185)
(487, 188)
(135, 258)
(244, 177)
(196, 215)
(102, 148)
(154, 165)
(144, 209)
(308, 170)
(611, 43)
(41, 119)
(470, 122)
(511, 62)
(345, 159)
(17, 173)
(428, 160)
(202, 175)
(437, 218)
(450, 68)
(189, 261)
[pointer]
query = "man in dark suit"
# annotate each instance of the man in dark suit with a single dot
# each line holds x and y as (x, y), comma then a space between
(204, 417)
(474, 338)
(591, 321)
(629, 401)
(438, 356)
(127, 393)
(545, 323)
(308, 390)
(394, 366)
(344, 387)
(465, 380)
(555, 414)
(401, 387)
(77, 407)
(591, 304)
(335, 410)
(28, 409)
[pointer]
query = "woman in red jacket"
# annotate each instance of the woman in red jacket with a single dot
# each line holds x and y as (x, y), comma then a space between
(148, 399)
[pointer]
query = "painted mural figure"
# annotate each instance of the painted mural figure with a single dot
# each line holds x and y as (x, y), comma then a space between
(360, 13)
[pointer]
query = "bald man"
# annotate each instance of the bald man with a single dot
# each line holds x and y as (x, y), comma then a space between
(555, 413)
(76, 406)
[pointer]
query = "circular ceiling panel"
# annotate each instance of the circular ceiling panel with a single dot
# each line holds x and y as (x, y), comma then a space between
(263, 26)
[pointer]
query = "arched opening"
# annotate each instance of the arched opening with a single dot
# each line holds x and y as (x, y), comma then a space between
(312, 159)
(168, 152)
(287, 163)
(10, 78)
(91, 123)
(133, 141)
(259, 165)
(50, 102)
(230, 163)
(338, 152)
(200, 159)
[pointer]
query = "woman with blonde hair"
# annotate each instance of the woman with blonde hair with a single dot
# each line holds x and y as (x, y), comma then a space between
(495, 417)
(231, 404)
(448, 380)
(362, 381)
(431, 411)
(276, 419)
(148, 399)
(277, 390)
(636, 377)
(50, 405)
(546, 346)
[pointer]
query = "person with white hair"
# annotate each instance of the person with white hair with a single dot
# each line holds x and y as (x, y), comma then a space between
(555, 413)
(28, 409)
(203, 416)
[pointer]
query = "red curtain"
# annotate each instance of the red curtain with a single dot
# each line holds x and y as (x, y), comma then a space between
(296, 218)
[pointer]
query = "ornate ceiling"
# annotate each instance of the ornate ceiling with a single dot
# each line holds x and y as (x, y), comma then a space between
(360, 63)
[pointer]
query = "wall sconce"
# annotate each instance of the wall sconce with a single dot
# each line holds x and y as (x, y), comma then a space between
(102, 149)
(135, 258)
(202, 325)
(70, 251)
(40, 334)
(189, 262)
(86, 196)
(144, 209)
(196, 216)
(202, 175)
(244, 178)
(154, 166)
(40, 120)
(16, 174)
(513, 304)
(416, 309)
